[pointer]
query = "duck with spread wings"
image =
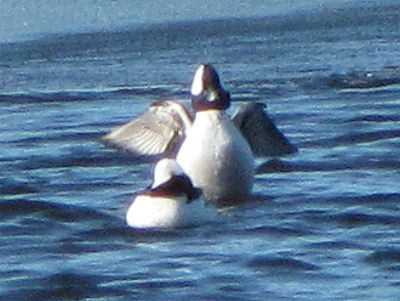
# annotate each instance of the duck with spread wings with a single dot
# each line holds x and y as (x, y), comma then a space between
(216, 152)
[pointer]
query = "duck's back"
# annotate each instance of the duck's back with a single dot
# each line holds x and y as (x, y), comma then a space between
(217, 158)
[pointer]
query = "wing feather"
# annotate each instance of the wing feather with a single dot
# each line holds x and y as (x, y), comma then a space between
(157, 132)
(264, 138)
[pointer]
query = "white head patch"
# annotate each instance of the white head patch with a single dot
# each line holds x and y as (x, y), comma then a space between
(164, 170)
(197, 85)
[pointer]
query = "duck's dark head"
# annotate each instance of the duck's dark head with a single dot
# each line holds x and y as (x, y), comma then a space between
(171, 181)
(207, 92)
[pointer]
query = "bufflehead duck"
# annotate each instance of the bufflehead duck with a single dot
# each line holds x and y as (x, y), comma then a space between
(214, 153)
(210, 147)
(171, 201)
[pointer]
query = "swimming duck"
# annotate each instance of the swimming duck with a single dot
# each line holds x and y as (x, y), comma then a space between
(171, 201)
(215, 151)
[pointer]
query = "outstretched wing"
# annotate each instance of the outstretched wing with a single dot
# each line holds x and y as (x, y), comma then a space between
(157, 132)
(263, 136)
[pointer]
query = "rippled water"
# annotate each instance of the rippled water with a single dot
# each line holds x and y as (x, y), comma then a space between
(327, 224)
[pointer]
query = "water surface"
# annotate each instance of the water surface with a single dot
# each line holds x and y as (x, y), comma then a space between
(327, 227)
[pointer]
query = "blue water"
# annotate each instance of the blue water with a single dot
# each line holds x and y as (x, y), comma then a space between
(327, 225)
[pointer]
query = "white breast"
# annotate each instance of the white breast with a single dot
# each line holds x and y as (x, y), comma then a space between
(164, 212)
(217, 158)
(151, 212)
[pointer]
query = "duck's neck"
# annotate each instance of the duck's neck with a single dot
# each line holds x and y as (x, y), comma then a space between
(202, 102)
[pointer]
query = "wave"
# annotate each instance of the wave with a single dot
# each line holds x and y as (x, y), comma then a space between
(14, 187)
(386, 79)
(377, 198)
(51, 210)
(78, 160)
(274, 231)
(65, 285)
(43, 97)
(91, 94)
(281, 264)
(388, 76)
(350, 219)
(356, 219)
(352, 139)
(338, 245)
(275, 165)
(387, 256)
